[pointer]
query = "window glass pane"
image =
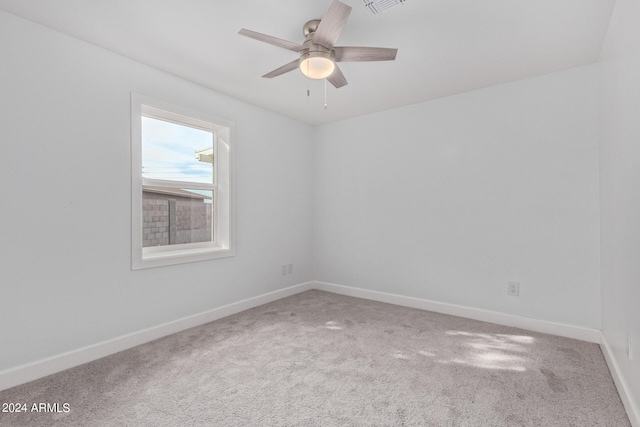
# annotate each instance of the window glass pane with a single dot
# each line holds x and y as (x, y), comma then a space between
(172, 216)
(176, 152)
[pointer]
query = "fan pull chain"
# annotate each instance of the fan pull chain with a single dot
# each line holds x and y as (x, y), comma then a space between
(308, 89)
(325, 94)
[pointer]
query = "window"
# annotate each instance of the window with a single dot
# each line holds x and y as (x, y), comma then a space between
(181, 183)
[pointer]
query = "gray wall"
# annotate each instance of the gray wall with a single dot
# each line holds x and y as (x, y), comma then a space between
(620, 191)
(65, 165)
(448, 200)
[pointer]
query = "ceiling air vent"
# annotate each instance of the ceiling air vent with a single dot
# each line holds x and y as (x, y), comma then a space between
(376, 7)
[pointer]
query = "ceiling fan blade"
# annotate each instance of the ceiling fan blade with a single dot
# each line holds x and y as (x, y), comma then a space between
(332, 24)
(337, 79)
(284, 69)
(362, 54)
(271, 40)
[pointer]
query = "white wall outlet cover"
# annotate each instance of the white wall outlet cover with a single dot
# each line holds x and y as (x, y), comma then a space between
(513, 288)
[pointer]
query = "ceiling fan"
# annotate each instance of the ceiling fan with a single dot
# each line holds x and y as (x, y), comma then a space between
(318, 53)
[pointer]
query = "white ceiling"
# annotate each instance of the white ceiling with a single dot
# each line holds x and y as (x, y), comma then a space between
(444, 46)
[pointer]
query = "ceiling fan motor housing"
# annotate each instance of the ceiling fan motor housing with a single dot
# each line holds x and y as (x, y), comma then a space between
(316, 61)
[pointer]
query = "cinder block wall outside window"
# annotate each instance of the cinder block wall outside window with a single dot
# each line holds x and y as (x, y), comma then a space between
(170, 220)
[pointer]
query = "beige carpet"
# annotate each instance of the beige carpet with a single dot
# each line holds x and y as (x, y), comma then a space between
(320, 359)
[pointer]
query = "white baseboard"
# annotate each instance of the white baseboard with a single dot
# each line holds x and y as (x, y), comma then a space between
(535, 325)
(42, 368)
(630, 404)
(45, 367)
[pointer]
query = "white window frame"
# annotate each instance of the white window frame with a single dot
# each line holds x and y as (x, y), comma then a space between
(223, 244)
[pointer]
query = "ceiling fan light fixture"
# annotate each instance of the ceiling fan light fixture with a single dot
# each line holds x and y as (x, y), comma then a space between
(317, 65)
(319, 54)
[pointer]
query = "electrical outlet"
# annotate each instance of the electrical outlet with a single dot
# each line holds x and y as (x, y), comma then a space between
(290, 268)
(284, 269)
(513, 288)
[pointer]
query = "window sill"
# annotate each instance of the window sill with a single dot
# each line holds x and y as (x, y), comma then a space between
(149, 259)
